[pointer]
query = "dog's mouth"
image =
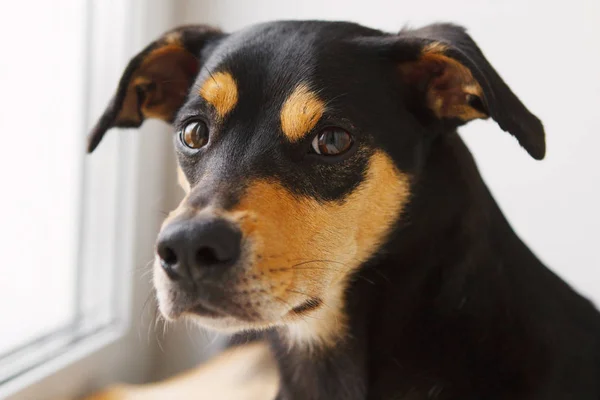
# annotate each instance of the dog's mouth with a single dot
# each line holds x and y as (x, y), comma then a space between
(245, 300)
(207, 303)
(240, 299)
(205, 310)
(177, 305)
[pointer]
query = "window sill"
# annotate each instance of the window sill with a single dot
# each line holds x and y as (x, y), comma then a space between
(75, 350)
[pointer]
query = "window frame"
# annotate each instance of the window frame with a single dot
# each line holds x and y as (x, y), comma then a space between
(78, 343)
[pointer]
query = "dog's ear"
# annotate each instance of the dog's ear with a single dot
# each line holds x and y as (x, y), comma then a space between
(156, 82)
(458, 83)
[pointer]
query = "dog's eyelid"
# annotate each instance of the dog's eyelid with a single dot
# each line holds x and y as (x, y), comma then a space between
(186, 117)
(197, 108)
(334, 120)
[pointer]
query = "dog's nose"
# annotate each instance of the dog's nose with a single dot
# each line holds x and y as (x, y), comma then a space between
(189, 248)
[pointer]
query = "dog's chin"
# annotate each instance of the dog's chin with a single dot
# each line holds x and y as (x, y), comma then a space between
(228, 324)
(172, 310)
(213, 318)
(226, 318)
(229, 308)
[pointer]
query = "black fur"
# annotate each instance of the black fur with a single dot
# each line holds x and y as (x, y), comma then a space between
(454, 305)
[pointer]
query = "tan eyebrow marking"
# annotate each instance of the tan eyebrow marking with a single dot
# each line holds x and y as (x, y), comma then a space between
(300, 112)
(221, 91)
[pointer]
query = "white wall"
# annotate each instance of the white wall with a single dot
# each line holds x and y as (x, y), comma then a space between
(548, 53)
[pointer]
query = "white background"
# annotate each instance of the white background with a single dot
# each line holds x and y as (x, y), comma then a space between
(41, 165)
(548, 53)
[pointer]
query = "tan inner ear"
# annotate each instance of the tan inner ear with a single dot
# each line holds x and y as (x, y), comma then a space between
(450, 86)
(164, 77)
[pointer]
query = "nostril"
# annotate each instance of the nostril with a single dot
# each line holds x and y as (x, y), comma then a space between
(207, 256)
(168, 256)
(168, 261)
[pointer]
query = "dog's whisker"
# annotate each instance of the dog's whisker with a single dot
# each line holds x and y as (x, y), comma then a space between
(146, 302)
(325, 261)
(146, 265)
(146, 274)
(142, 311)
(314, 268)
(298, 292)
(153, 325)
(159, 319)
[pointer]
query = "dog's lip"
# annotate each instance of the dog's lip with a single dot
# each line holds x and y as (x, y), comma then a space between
(205, 310)
(207, 301)
(194, 306)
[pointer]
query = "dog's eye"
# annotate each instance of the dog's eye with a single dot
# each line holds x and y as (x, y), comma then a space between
(332, 142)
(194, 134)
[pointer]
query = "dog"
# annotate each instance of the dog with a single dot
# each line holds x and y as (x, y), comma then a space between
(333, 211)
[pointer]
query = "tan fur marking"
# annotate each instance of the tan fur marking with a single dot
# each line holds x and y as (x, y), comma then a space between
(296, 248)
(164, 76)
(221, 91)
(304, 248)
(182, 180)
(300, 112)
(173, 38)
(434, 48)
(246, 372)
(449, 83)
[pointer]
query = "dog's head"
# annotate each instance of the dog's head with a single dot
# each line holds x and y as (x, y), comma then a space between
(298, 143)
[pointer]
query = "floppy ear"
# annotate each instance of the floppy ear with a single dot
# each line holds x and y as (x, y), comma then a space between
(458, 83)
(156, 82)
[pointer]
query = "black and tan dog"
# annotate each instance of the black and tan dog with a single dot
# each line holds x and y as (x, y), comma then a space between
(333, 210)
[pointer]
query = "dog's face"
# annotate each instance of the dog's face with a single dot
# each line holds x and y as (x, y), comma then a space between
(298, 143)
(276, 139)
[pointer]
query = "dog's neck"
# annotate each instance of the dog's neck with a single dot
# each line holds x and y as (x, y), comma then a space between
(451, 214)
